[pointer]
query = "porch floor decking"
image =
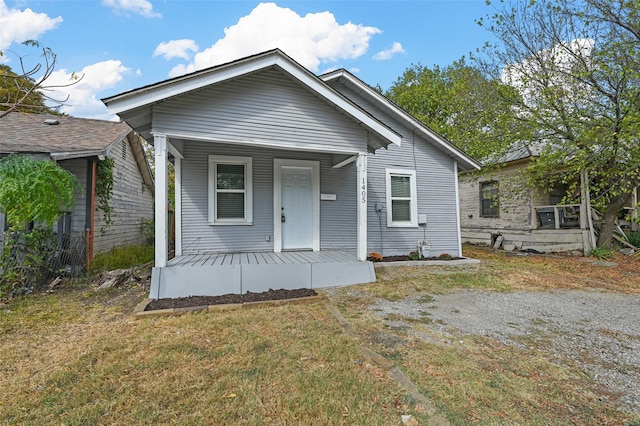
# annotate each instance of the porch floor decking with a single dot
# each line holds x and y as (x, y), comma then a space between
(262, 258)
(214, 274)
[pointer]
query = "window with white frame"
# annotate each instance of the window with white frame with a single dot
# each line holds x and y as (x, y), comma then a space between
(402, 200)
(230, 190)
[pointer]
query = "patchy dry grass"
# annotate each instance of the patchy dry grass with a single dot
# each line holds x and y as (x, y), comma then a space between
(77, 359)
(478, 380)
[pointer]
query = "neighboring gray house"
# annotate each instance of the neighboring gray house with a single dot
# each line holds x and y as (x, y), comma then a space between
(77, 144)
(287, 180)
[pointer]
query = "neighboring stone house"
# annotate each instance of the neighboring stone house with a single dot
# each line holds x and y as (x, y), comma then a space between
(77, 145)
(496, 209)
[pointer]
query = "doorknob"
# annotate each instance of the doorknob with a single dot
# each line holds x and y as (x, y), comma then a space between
(282, 216)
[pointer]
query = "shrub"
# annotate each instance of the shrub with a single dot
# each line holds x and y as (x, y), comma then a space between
(601, 253)
(122, 258)
(25, 261)
(445, 256)
(414, 255)
(634, 238)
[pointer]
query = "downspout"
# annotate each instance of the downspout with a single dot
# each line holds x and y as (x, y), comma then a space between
(92, 173)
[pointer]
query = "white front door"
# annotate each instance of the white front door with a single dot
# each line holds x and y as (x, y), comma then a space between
(297, 208)
(296, 205)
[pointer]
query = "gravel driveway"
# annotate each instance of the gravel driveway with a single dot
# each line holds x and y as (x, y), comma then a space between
(599, 331)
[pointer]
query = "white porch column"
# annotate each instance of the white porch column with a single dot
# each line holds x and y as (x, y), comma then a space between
(162, 199)
(178, 207)
(457, 190)
(361, 164)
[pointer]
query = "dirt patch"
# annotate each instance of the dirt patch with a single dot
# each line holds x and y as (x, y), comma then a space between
(193, 301)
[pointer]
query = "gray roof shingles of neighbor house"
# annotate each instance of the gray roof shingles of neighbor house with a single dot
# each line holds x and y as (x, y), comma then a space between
(64, 136)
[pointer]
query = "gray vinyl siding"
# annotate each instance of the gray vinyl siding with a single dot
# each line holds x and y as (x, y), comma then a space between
(337, 218)
(78, 167)
(265, 107)
(131, 202)
(435, 175)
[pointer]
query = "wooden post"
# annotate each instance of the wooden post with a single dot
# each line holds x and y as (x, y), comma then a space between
(90, 231)
(362, 194)
(162, 200)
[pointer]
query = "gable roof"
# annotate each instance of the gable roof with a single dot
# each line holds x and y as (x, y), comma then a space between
(385, 104)
(64, 138)
(135, 106)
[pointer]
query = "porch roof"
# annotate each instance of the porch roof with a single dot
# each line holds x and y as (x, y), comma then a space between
(136, 106)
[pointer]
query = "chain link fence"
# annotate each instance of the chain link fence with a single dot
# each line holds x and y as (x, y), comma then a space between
(30, 260)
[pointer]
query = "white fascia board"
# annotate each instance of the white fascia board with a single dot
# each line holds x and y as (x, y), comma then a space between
(167, 89)
(328, 93)
(380, 99)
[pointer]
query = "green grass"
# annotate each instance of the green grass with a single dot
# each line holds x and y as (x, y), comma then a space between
(122, 258)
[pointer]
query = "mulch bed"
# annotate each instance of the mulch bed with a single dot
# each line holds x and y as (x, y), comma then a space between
(192, 301)
(422, 259)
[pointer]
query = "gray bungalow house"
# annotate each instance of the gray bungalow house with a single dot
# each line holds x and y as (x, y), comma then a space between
(288, 180)
(77, 144)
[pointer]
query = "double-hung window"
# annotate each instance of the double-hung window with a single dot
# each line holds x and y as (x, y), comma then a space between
(230, 190)
(402, 199)
(489, 205)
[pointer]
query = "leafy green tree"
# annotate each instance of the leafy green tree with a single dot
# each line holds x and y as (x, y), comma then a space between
(26, 89)
(576, 66)
(31, 191)
(459, 102)
(34, 190)
(17, 92)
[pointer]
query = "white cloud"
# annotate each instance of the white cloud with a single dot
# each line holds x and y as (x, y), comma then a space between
(385, 55)
(176, 49)
(137, 7)
(311, 40)
(83, 100)
(20, 25)
(550, 68)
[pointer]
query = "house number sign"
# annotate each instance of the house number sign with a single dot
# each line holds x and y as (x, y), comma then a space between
(362, 160)
(363, 193)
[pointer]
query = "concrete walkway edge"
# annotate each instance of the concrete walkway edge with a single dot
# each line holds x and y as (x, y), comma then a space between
(393, 371)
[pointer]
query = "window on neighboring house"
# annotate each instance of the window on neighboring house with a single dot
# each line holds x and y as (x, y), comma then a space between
(558, 193)
(489, 205)
(402, 200)
(230, 190)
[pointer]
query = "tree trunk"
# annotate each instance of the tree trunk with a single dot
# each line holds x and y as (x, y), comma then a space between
(605, 239)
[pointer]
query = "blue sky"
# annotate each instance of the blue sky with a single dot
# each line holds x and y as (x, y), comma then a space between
(122, 44)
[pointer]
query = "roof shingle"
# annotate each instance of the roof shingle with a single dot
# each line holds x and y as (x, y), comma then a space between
(28, 133)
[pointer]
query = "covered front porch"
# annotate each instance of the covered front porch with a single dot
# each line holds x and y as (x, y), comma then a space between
(240, 272)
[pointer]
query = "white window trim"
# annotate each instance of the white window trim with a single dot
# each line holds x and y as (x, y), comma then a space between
(248, 191)
(413, 202)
